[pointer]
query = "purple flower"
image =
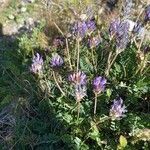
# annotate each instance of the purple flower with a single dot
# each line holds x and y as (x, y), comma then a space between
(94, 42)
(146, 49)
(99, 84)
(91, 25)
(58, 42)
(78, 78)
(37, 64)
(117, 109)
(128, 4)
(113, 27)
(147, 13)
(120, 29)
(80, 92)
(123, 28)
(139, 30)
(56, 61)
(82, 28)
(122, 41)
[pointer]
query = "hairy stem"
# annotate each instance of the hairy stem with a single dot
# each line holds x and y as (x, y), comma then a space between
(78, 109)
(93, 60)
(78, 53)
(54, 76)
(95, 103)
(111, 63)
(68, 53)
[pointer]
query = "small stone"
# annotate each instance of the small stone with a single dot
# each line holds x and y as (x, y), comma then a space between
(23, 9)
(30, 21)
(11, 17)
(31, 1)
(10, 28)
(28, 1)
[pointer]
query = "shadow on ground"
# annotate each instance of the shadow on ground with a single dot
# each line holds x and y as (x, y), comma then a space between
(26, 122)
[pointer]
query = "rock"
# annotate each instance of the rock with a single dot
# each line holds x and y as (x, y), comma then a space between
(31, 1)
(11, 17)
(28, 1)
(23, 9)
(10, 28)
(30, 21)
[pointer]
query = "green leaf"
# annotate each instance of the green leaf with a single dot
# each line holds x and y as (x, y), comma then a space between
(123, 141)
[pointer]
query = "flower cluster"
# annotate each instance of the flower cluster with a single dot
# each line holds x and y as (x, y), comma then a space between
(99, 84)
(119, 29)
(147, 13)
(128, 8)
(79, 81)
(80, 92)
(113, 27)
(117, 109)
(56, 61)
(139, 30)
(78, 78)
(82, 28)
(59, 42)
(94, 41)
(37, 64)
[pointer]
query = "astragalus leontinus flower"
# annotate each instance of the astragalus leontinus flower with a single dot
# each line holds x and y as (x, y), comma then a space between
(117, 109)
(128, 4)
(78, 78)
(83, 28)
(79, 29)
(147, 13)
(91, 26)
(94, 41)
(120, 30)
(99, 84)
(122, 37)
(58, 42)
(56, 61)
(114, 25)
(80, 92)
(139, 30)
(37, 64)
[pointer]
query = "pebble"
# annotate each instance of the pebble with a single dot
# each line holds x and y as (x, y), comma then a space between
(23, 9)
(11, 17)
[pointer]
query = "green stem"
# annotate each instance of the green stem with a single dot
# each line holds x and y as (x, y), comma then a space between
(95, 103)
(78, 53)
(79, 104)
